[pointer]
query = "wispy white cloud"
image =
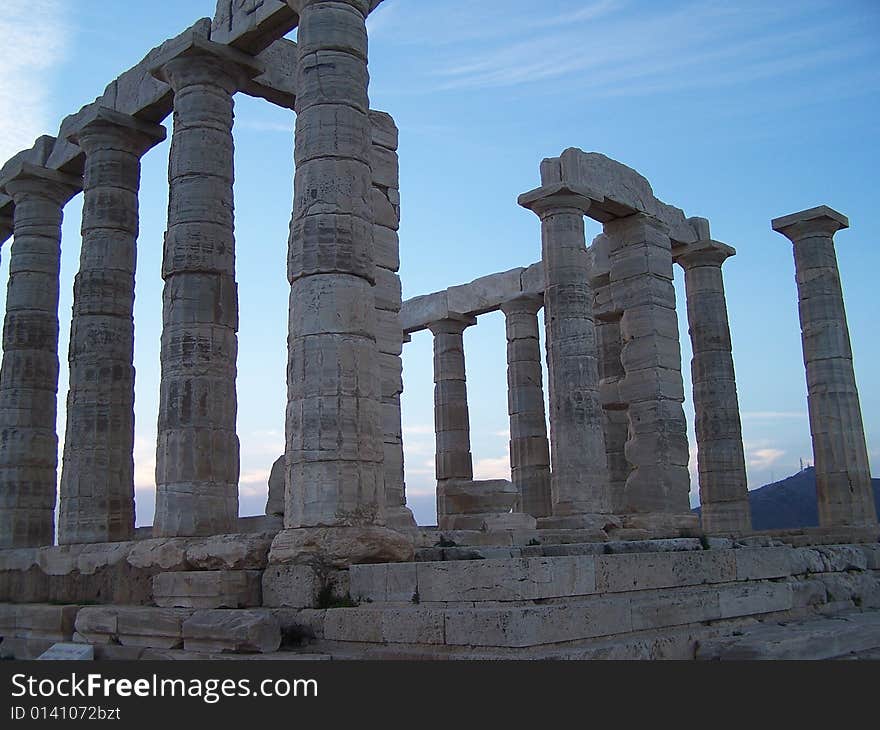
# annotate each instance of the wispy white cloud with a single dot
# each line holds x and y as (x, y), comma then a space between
(35, 41)
(763, 458)
(492, 468)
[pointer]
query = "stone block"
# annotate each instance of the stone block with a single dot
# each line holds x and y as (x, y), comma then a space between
(751, 599)
(208, 589)
(232, 631)
(674, 608)
(763, 563)
(641, 571)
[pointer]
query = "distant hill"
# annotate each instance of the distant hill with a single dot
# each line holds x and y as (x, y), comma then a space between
(790, 502)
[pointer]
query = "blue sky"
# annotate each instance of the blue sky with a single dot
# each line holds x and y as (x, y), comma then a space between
(735, 111)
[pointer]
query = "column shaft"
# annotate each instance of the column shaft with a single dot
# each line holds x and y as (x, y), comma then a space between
(843, 476)
(197, 462)
(333, 431)
(724, 496)
(529, 447)
(97, 479)
(389, 334)
(29, 375)
(642, 291)
(453, 460)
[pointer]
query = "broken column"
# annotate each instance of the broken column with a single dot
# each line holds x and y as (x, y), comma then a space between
(724, 497)
(385, 195)
(843, 477)
(29, 375)
(453, 461)
(641, 290)
(334, 445)
(579, 480)
(97, 478)
(529, 448)
(197, 461)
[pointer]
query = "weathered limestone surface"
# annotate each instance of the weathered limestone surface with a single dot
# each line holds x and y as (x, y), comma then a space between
(720, 458)
(97, 480)
(29, 376)
(843, 476)
(275, 499)
(248, 631)
(37, 621)
(642, 292)
(207, 589)
(529, 447)
(453, 459)
(483, 505)
(131, 626)
(611, 372)
(334, 436)
(120, 572)
(385, 196)
(577, 442)
(197, 463)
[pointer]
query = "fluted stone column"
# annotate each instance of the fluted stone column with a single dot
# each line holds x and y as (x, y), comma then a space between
(334, 435)
(389, 334)
(724, 497)
(843, 477)
(29, 375)
(197, 460)
(452, 430)
(529, 448)
(97, 478)
(579, 478)
(642, 291)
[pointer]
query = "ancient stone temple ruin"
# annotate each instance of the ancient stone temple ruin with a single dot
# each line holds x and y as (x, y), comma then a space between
(590, 550)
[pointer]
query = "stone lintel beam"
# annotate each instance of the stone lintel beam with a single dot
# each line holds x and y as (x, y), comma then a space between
(477, 297)
(820, 220)
(230, 59)
(70, 184)
(252, 25)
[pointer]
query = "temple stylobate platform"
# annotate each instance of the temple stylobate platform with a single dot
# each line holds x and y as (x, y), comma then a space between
(589, 550)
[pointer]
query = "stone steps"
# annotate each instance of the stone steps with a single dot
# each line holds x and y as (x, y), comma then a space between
(519, 625)
(821, 638)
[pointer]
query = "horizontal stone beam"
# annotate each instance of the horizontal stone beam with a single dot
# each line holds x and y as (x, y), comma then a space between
(617, 191)
(480, 296)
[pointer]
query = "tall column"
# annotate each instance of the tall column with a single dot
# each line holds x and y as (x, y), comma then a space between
(579, 480)
(333, 431)
(97, 479)
(452, 430)
(843, 477)
(197, 460)
(389, 334)
(608, 340)
(29, 375)
(529, 448)
(642, 291)
(724, 496)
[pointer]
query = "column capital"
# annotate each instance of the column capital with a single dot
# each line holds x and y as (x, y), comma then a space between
(526, 304)
(453, 324)
(818, 221)
(557, 198)
(364, 7)
(27, 178)
(197, 60)
(703, 253)
(103, 128)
